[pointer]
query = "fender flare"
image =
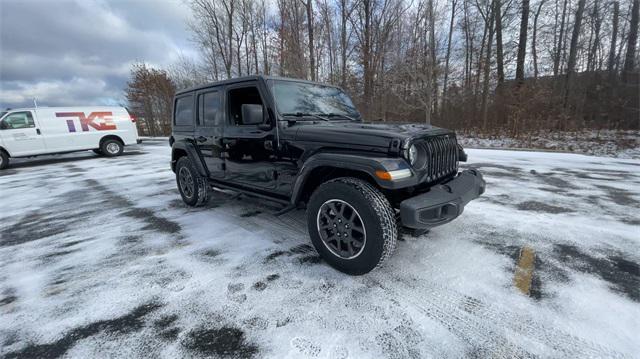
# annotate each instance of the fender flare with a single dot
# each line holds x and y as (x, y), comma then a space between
(194, 155)
(356, 162)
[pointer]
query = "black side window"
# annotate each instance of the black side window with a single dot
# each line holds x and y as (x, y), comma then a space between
(18, 120)
(184, 111)
(209, 109)
(239, 97)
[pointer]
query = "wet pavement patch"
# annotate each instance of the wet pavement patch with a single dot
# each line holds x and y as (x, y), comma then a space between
(622, 274)
(165, 321)
(223, 342)
(153, 222)
(32, 227)
(211, 253)
(272, 277)
(122, 325)
(273, 255)
(7, 299)
(541, 207)
(620, 196)
(552, 180)
(303, 248)
(71, 244)
(259, 286)
(58, 254)
(250, 214)
(314, 259)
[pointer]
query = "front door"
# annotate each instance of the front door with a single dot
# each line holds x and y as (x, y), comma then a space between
(209, 127)
(249, 148)
(20, 135)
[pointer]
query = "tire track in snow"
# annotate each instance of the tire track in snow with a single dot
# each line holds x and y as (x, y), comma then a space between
(485, 326)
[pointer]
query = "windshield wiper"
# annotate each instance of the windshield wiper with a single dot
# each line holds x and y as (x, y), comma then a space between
(333, 114)
(301, 114)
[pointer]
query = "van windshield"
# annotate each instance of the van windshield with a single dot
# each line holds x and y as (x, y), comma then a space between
(2, 113)
(303, 98)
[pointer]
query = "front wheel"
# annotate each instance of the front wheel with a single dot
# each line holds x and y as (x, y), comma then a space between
(352, 225)
(194, 189)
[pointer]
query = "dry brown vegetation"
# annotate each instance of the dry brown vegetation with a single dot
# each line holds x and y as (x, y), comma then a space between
(487, 66)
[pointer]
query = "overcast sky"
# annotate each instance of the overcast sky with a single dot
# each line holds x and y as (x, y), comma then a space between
(66, 52)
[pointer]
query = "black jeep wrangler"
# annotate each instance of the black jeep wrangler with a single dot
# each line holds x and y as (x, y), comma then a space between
(304, 144)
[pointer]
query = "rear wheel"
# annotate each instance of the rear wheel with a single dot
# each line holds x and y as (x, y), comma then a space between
(352, 225)
(194, 189)
(111, 147)
(4, 160)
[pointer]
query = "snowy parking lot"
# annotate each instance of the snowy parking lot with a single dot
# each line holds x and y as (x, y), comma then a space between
(99, 257)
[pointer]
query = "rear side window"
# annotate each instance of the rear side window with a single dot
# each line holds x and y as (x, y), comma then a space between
(184, 111)
(209, 109)
(18, 120)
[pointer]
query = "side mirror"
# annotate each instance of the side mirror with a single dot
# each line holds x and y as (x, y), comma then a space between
(252, 114)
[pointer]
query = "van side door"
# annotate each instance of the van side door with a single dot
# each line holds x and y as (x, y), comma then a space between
(209, 129)
(20, 134)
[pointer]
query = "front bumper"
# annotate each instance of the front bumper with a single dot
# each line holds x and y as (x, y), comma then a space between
(443, 203)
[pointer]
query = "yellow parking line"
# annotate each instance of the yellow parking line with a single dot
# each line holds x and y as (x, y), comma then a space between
(524, 270)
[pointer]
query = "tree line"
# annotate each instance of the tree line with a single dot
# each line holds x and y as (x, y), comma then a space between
(489, 66)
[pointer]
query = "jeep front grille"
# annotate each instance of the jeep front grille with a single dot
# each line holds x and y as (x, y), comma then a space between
(442, 156)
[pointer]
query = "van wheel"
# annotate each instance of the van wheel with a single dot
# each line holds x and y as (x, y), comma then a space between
(4, 160)
(111, 148)
(194, 189)
(97, 151)
(352, 225)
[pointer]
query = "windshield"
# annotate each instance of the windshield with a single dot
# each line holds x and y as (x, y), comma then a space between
(305, 98)
(2, 113)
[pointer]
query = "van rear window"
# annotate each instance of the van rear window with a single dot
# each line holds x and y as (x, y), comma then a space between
(184, 111)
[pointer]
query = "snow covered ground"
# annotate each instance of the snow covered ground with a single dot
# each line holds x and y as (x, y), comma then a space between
(99, 257)
(608, 143)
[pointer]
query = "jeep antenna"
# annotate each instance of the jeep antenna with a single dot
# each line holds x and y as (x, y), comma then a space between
(35, 103)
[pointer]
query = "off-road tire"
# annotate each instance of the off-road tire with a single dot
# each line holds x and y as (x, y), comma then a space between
(107, 147)
(377, 215)
(201, 188)
(4, 160)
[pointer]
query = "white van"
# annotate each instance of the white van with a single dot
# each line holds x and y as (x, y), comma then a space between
(30, 132)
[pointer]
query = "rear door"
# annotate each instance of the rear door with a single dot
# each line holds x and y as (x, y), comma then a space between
(20, 135)
(209, 129)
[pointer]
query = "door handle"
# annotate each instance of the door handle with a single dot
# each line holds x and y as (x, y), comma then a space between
(201, 139)
(38, 131)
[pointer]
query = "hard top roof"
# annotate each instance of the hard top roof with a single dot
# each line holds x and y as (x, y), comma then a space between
(247, 78)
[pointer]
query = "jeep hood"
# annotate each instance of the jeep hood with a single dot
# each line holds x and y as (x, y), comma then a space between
(370, 134)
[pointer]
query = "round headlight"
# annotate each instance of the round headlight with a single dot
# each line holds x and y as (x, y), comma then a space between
(413, 154)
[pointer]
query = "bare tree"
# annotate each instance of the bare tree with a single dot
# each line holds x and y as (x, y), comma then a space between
(534, 52)
(522, 43)
(312, 62)
(448, 55)
(499, 52)
(614, 38)
(629, 61)
(560, 47)
(573, 50)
